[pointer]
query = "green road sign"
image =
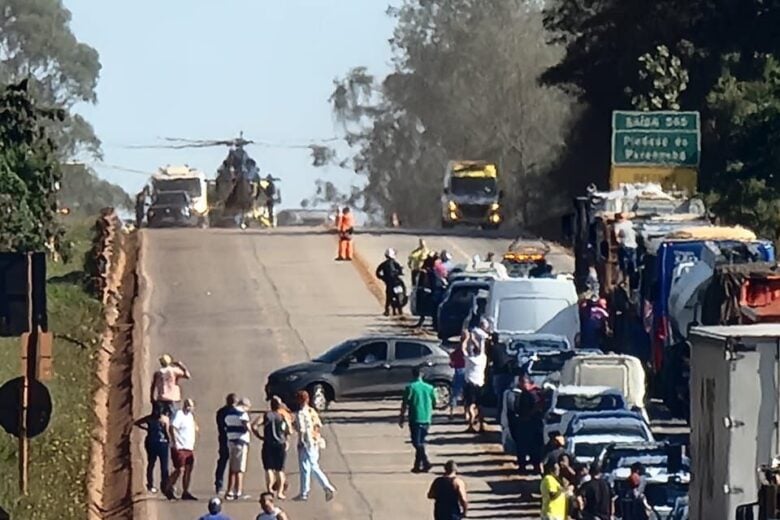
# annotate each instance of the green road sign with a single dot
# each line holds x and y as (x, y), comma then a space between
(656, 138)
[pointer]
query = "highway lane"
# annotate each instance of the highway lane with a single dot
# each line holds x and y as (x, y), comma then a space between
(236, 305)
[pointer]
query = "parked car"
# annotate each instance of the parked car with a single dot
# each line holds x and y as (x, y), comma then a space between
(568, 400)
(457, 304)
(618, 422)
(371, 367)
(171, 208)
(650, 454)
(586, 448)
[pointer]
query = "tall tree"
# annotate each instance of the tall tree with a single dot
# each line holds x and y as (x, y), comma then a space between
(36, 43)
(29, 173)
(465, 86)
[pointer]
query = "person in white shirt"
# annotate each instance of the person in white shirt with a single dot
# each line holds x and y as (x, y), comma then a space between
(183, 432)
(474, 374)
(625, 234)
(237, 428)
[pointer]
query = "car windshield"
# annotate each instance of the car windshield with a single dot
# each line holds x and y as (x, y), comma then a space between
(589, 402)
(463, 295)
(169, 198)
(588, 450)
(191, 186)
(617, 427)
(473, 186)
(540, 344)
(623, 458)
(664, 494)
(336, 353)
(548, 364)
(528, 313)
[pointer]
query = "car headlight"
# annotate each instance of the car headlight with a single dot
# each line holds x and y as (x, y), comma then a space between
(452, 206)
(495, 206)
(292, 377)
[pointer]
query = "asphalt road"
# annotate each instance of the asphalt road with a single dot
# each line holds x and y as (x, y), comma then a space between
(236, 305)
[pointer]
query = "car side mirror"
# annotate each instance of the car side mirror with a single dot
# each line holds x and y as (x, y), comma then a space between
(344, 363)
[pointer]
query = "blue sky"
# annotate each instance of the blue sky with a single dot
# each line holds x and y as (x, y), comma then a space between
(205, 69)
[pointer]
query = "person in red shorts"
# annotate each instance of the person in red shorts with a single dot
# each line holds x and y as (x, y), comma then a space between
(184, 429)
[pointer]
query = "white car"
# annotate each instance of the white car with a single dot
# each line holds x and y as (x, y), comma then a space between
(619, 422)
(568, 400)
(586, 448)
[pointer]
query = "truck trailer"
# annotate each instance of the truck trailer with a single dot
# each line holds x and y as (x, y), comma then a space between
(735, 407)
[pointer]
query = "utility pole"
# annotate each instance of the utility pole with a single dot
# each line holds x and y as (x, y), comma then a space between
(29, 365)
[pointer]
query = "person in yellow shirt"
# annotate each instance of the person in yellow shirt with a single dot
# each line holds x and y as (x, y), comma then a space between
(416, 259)
(553, 494)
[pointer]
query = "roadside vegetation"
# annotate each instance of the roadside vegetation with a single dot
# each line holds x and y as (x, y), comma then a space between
(532, 85)
(59, 456)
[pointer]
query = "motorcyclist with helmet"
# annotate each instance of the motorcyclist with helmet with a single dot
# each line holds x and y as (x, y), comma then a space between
(391, 273)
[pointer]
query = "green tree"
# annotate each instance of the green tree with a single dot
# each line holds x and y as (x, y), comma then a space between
(715, 57)
(36, 43)
(84, 193)
(465, 86)
(29, 173)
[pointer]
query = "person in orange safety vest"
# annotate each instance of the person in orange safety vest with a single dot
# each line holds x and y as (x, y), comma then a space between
(346, 227)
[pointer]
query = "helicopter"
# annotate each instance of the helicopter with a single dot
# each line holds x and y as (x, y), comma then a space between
(238, 195)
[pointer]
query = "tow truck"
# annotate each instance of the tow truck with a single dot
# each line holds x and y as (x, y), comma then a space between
(520, 259)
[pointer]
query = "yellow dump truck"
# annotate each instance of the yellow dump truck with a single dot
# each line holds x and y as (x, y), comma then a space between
(471, 195)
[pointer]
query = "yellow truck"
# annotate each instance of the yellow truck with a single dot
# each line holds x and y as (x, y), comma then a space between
(471, 195)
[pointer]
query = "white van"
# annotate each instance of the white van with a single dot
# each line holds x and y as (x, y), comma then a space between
(535, 305)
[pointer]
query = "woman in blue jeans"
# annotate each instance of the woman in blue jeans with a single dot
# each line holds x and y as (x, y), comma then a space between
(310, 441)
(157, 445)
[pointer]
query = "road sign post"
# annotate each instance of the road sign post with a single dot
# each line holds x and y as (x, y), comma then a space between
(662, 147)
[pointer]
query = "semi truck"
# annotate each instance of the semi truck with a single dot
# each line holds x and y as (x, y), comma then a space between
(735, 408)
(471, 195)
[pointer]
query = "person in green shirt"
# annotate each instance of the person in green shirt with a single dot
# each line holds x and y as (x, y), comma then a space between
(553, 494)
(419, 399)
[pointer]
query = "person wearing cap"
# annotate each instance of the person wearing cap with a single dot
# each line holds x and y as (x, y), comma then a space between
(165, 391)
(237, 427)
(269, 510)
(184, 430)
(390, 272)
(215, 511)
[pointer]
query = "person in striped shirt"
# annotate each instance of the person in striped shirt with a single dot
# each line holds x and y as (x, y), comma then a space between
(238, 437)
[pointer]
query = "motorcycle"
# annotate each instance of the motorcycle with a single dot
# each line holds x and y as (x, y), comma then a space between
(399, 295)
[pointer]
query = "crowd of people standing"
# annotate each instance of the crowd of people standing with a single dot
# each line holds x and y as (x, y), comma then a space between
(171, 435)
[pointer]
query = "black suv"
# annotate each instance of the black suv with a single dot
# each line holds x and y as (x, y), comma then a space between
(372, 367)
(171, 208)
